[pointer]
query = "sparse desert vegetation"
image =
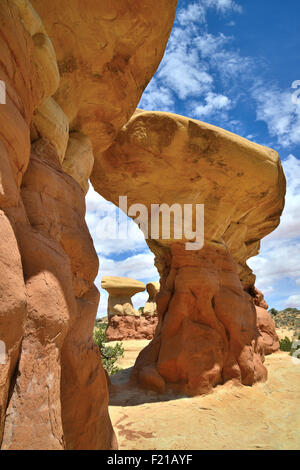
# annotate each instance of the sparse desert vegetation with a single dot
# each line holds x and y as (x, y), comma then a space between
(110, 354)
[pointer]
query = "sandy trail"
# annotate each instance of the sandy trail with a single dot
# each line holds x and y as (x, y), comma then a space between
(266, 416)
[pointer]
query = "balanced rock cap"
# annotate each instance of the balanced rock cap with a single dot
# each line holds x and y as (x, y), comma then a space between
(116, 285)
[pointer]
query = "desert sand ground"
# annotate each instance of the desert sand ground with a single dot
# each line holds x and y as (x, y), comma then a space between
(266, 416)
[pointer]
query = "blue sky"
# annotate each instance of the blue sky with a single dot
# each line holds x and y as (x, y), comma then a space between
(231, 64)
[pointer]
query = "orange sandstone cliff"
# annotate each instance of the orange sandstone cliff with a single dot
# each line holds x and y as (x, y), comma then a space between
(67, 67)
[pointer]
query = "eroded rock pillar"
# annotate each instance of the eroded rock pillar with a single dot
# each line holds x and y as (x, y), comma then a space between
(207, 330)
(265, 322)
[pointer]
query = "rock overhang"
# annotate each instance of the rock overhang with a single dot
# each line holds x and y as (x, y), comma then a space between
(168, 159)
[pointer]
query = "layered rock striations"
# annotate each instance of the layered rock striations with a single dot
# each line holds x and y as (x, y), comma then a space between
(207, 332)
(107, 52)
(47, 240)
(53, 389)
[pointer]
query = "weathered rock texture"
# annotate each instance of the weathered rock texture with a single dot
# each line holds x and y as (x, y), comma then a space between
(127, 327)
(53, 390)
(107, 52)
(265, 322)
(125, 322)
(258, 298)
(150, 308)
(266, 327)
(120, 290)
(207, 332)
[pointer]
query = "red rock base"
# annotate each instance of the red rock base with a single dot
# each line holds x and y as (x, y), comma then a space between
(122, 327)
(207, 332)
(266, 326)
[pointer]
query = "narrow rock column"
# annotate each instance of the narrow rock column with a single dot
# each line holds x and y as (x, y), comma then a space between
(150, 308)
(265, 322)
(123, 319)
(207, 330)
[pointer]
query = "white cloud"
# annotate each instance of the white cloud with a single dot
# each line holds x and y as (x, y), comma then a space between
(276, 108)
(181, 69)
(140, 299)
(187, 72)
(140, 266)
(102, 218)
(209, 44)
(290, 220)
(233, 68)
(278, 259)
(293, 301)
(223, 5)
(196, 12)
(193, 13)
(157, 98)
(102, 308)
(280, 251)
(214, 104)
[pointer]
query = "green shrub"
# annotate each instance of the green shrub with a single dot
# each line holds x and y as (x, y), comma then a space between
(141, 309)
(109, 354)
(285, 344)
(273, 311)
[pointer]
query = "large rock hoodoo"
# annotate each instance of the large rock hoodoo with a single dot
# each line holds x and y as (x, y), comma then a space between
(120, 290)
(125, 322)
(207, 332)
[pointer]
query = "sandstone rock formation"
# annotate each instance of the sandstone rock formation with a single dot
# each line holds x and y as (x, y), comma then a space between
(207, 332)
(124, 322)
(266, 327)
(53, 390)
(126, 327)
(150, 308)
(107, 52)
(120, 290)
(74, 76)
(265, 322)
(258, 297)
